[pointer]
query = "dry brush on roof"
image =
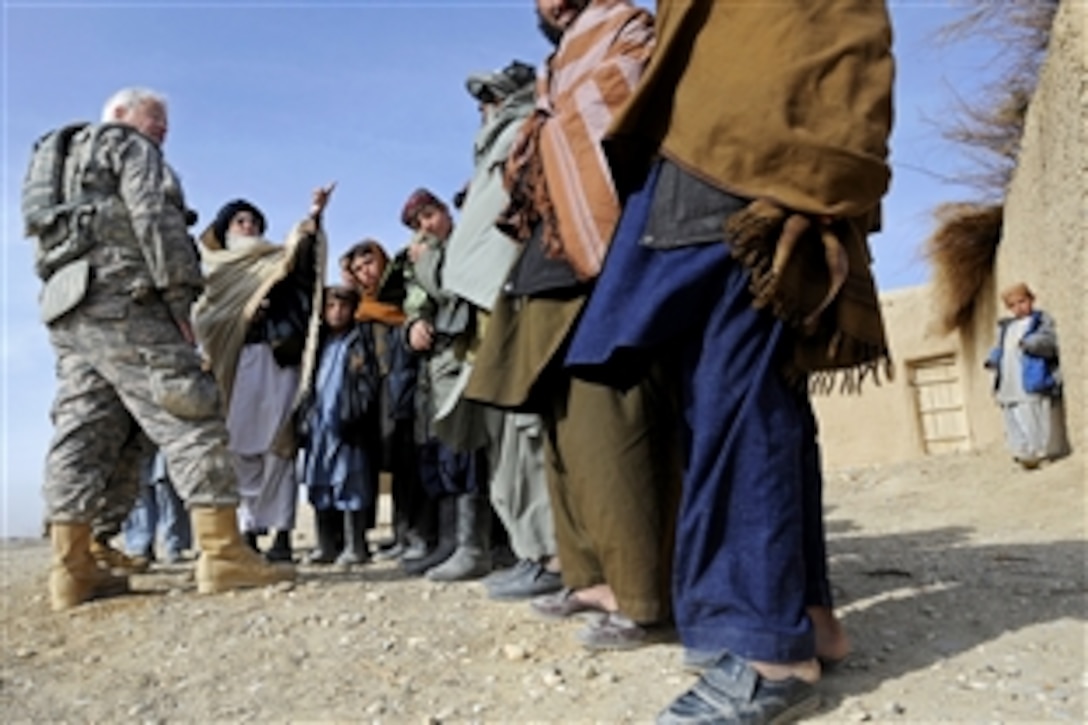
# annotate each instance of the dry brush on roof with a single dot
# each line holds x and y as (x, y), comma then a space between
(989, 129)
(962, 252)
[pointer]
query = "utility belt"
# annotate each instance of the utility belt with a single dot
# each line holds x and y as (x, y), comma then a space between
(67, 235)
(68, 252)
(75, 284)
(65, 239)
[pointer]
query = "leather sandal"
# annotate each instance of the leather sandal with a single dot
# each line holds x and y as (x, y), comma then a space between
(561, 605)
(613, 631)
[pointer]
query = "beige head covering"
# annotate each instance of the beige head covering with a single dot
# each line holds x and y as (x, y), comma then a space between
(1020, 289)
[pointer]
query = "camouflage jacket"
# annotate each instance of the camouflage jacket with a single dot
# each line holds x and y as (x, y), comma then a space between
(142, 244)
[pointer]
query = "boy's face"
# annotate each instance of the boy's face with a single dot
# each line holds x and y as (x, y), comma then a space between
(338, 313)
(1020, 305)
(436, 221)
(366, 270)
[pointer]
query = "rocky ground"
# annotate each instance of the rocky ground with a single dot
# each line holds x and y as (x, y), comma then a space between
(962, 581)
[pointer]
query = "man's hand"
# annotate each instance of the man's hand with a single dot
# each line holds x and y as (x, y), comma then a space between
(416, 250)
(347, 278)
(187, 332)
(420, 336)
(321, 200)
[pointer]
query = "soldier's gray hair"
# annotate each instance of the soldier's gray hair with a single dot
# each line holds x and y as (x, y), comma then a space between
(129, 98)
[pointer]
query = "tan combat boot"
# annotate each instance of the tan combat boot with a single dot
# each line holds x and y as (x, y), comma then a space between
(226, 562)
(75, 577)
(113, 559)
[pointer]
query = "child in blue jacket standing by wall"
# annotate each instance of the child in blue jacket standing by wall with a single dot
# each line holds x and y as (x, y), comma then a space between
(1027, 383)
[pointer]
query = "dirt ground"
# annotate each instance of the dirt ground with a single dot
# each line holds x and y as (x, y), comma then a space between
(962, 581)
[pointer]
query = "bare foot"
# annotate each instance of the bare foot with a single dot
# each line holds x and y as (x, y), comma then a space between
(600, 596)
(832, 642)
(809, 670)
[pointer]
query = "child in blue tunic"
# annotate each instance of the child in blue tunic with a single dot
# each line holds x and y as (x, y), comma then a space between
(1027, 382)
(341, 431)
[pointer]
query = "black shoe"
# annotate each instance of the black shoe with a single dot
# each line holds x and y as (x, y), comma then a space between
(326, 523)
(281, 548)
(527, 580)
(730, 691)
(355, 550)
(386, 544)
(418, 567)
(447, 540)
(389, 553)
(503, 557)
(415, 547)
(250, 537)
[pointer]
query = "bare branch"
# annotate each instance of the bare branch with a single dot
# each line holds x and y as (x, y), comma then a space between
(990, 128)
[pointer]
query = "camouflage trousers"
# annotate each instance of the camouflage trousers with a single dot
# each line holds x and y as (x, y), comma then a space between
(121, 362)
(123, 485)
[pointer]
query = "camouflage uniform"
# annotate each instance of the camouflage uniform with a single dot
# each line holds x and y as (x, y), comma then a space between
(121, 356)
(123, 485)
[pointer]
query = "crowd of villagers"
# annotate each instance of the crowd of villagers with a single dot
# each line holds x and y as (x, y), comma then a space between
(591, 390)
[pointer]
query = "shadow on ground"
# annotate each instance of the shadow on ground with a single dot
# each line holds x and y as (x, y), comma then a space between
(914, 599)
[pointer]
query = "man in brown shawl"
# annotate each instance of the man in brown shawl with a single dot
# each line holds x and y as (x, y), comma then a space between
(763, 126)
(611, 473)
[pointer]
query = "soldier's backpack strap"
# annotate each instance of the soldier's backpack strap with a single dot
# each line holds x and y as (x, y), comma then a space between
(43, 185)
(61, 225)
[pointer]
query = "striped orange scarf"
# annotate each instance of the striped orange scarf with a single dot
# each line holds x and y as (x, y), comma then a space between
(557, 175)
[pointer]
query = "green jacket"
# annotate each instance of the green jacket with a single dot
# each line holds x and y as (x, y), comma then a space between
(478, 255)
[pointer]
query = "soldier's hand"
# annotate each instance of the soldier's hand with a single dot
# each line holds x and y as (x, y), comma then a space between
(321, 199)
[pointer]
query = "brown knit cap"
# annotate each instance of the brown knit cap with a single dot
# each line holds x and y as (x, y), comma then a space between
(419, 200)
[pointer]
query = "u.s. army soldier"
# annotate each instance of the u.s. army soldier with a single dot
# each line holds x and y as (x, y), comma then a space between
(121, 273)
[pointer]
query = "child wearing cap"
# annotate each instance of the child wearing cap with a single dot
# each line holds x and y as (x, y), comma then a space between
(1027, 382)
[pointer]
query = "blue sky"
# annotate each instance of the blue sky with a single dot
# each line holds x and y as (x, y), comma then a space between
(269, 100)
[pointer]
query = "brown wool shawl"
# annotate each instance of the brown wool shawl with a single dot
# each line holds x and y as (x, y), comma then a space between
(788, 102)
(237, 280)
(371, 309)
(557, 174)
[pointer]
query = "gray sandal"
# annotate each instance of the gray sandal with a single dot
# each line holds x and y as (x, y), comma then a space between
(561, 605)
(613, 631)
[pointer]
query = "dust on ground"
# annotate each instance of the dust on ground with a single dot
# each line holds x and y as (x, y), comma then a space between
(962, 581)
